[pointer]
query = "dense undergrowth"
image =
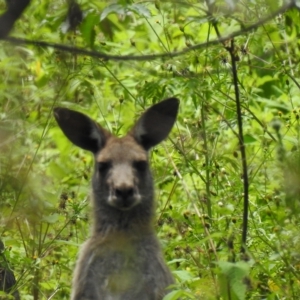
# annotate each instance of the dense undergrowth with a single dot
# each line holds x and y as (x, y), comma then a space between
(200, 185)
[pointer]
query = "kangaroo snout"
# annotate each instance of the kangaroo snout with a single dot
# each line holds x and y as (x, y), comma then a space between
(123, 187)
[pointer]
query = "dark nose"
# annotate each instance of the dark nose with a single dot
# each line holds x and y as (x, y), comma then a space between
(124, 193)
(124, 198)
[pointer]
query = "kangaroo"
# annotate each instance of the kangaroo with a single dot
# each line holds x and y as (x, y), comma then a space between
(122, 259)
(7, 277)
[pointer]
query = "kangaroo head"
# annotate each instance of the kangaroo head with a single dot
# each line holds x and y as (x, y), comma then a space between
(122, 178)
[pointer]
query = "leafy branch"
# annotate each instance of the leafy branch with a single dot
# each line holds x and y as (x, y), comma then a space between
(101, 55)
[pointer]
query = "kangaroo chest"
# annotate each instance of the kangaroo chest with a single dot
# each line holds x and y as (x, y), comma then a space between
(121, 266)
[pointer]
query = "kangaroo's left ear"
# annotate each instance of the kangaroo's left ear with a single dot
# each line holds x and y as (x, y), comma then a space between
(81, 130)
(156, 123)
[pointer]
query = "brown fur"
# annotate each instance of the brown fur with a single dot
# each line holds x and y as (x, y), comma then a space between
(122, 260)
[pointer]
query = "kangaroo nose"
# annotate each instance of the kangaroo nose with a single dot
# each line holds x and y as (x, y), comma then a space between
(125, 198)
(124, 193)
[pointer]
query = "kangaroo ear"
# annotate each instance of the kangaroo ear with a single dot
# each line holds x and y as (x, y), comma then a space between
(80, 129)
(156, 123)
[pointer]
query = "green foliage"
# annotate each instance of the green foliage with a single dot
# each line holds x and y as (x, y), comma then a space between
(45, 181)
(233, 277)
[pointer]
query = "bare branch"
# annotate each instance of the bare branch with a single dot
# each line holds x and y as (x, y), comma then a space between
(232, 52)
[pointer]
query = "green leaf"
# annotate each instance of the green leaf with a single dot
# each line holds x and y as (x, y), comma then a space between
(51, 219)
(113, 8)
(179, 294)
(42, 81)
(248, 139)
(232, 280)
(183, 275)
(173, 295)
(87, 28)
(140, 10)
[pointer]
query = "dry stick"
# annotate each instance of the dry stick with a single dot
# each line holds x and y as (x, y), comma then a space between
(96, 54)
(207, 163)
(232, 52)
(54, 293)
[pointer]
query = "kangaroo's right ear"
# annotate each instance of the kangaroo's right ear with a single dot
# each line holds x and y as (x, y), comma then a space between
(155, 123)
(80, 129)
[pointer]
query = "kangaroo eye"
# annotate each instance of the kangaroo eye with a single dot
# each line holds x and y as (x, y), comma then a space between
(103, 166)
(140, 165)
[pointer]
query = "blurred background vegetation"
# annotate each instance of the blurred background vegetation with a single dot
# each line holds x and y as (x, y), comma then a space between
(45, 180)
